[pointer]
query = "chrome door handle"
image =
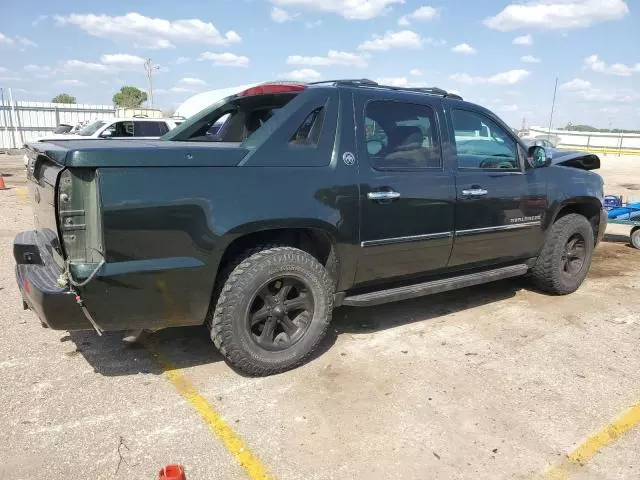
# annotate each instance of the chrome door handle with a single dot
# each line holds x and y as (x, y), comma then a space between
(474, 192)
(383, 195)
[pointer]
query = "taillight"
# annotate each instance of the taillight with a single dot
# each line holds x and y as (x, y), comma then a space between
(79, 217)
(271, 88)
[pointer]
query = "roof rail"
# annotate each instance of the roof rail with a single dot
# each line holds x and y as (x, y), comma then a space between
(365, 82)
(352, 82)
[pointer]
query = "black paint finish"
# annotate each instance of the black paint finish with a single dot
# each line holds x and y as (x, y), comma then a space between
(171, 209)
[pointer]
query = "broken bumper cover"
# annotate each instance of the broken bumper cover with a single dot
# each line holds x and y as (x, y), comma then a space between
(37, 276)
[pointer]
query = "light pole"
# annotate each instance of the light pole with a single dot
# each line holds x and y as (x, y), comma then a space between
(149, 67)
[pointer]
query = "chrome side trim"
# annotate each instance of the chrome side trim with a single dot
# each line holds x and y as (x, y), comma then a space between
(408, 239)
(499, 228)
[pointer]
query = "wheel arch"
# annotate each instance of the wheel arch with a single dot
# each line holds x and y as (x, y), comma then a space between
(588, 207)
(318, 240)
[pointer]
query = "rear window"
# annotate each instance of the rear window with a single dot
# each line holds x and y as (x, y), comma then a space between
(235, 121)
(150, 129)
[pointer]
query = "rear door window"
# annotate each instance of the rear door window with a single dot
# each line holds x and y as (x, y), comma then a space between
(401, 135)
(150, 129)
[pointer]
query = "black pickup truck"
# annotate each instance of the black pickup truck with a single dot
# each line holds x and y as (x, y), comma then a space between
(265, 211)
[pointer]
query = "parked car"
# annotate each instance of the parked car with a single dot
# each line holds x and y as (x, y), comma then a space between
(541, 142)
(136, 128)
(351, 193)
(130, 127)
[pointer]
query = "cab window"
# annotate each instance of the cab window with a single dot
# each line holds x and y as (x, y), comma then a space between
(482, 144)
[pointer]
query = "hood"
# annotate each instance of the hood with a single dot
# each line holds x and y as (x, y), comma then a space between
(60, 136)
(568, 158)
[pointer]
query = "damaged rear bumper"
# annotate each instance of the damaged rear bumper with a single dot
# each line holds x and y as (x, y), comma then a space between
(37, 277)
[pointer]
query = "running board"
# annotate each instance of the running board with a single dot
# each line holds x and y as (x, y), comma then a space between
(435, 286)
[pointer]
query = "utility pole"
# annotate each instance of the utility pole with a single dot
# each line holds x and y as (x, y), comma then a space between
(149, 67)
(553, 104)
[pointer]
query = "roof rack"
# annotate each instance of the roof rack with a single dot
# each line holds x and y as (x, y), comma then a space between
(365, 82)
(349, 82)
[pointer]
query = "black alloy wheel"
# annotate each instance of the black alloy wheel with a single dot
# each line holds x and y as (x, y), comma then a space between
(280, 313)
(574, 255)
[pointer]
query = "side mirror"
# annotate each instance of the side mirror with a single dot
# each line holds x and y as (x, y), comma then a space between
(106, 134)
(539, 157)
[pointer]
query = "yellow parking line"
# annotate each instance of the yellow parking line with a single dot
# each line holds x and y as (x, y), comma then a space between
(22, 193)
(596, 442)
(251, 464)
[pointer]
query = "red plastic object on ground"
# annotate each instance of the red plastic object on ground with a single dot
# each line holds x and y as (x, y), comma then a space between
(172, 472)
(2, 187)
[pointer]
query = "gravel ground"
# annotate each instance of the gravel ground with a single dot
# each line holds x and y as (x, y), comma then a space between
(496, 381)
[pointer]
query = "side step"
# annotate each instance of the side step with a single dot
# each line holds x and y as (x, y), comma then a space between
(434, 286)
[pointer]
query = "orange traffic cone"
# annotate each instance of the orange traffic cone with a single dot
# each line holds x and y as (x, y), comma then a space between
(2, 186)
(172, 472)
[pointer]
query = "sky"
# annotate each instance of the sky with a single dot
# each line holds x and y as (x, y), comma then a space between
(503, 55)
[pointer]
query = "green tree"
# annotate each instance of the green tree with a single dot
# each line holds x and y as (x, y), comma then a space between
(64, 98)
(130, 97)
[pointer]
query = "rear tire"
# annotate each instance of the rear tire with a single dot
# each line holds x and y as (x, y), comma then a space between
(566, 256)
(273, 310)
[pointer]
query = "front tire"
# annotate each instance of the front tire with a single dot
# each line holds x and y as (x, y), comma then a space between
(273, 310)
(566, 256)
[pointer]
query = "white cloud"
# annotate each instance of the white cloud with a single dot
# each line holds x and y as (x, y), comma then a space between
(39, 18)
(334, 57)
(72, 83)
(394, 81)
(422, 14)
(181, 60)
(523, 40)
(25, 42)
(36, 68)
(509, 108)
(79, 65)
(15, 42)
(416, 72)
(587, 91)
(575, 85)
(309, 24)
(225, 59)
(122, 59)
(350, 9)
(4, 70)
(150, 32)
(530, 59)
(279, 15)
(179, 90)
(594, 63)
(510, 77)
(193, 81)
(557, 14)
(464, 78)
(465, 49)
(302, 75)
(402, 39)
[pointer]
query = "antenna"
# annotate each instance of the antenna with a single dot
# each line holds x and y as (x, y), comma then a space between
(149, 67)
(553, 104)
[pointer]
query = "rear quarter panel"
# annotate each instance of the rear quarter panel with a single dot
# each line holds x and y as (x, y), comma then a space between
(167, 228)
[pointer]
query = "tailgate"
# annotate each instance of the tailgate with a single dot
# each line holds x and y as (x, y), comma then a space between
(42, 175)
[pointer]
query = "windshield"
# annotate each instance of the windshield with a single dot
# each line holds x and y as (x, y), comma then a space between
(91, 128)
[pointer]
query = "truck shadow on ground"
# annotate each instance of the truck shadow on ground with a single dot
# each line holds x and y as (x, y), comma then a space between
(191, 346)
